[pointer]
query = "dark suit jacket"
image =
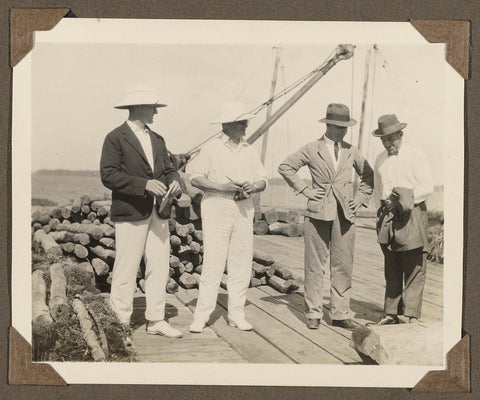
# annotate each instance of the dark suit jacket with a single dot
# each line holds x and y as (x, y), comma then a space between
(125, 170)
(338, 183)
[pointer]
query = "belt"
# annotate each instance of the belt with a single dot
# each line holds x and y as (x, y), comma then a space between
(221, 195)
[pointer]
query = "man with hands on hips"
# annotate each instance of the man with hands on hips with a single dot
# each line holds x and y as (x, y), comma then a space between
(329, 219)
(136, 166)
(229, 171)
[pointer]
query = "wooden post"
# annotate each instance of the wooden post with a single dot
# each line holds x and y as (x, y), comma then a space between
(402, 344)
(41, 318)
(87, 331)
(58, 293)
(48, 243)
(342, 52)
(282, 285)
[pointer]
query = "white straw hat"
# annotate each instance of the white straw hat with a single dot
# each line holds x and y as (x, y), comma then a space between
(231, 112)
(140, 95)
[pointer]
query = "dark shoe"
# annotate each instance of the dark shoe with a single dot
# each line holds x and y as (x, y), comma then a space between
(413, 320)
(349, 324)
(388, 320)
(313, 323)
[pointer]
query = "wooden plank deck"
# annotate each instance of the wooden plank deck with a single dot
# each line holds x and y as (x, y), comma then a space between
(280, 334)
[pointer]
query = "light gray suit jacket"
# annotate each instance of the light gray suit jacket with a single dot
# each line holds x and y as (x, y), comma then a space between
(338, 183)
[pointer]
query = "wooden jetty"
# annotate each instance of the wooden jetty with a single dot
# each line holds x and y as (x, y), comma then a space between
(280, 334)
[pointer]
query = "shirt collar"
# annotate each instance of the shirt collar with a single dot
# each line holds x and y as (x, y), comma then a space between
(137, 126)
(330, 141)
(226, 140)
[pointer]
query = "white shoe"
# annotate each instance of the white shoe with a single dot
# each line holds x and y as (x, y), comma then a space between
(162, 328)
(197, 326)
(240, 324)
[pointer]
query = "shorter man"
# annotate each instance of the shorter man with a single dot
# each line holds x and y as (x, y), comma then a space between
(402, 184)
(229, 171)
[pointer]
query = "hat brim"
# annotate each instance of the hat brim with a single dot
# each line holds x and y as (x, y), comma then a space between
(240, 118)
(352, 122)
(127, 106)
(380, 133)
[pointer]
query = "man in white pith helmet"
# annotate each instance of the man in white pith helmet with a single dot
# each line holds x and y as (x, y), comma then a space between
(329, 219)
(229, 171)
(136, 166)
(403, 182)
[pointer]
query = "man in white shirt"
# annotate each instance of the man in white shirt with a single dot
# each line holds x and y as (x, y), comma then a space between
(329, 219)
(136, 166)
(403, 182)
(229, 171)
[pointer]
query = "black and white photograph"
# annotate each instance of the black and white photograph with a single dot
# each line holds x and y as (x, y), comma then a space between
(237, 202)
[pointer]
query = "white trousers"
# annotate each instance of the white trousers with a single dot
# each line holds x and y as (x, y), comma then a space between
(151, 238)
(228, 239)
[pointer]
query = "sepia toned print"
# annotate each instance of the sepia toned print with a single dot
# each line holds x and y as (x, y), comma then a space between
(317, 287)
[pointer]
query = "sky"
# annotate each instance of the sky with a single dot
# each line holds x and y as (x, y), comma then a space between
(74, 88)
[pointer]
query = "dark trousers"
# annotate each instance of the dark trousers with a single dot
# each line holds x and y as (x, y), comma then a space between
(321, 239)
(405, 273)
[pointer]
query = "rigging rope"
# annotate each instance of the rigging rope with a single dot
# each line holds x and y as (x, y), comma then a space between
(275, 97)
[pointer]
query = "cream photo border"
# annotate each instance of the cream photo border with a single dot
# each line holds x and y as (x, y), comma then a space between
(86, 31)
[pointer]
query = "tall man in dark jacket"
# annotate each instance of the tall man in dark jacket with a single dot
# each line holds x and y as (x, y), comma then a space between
(136, 166)
(330, 214)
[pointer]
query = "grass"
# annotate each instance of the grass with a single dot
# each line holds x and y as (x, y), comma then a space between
(63, 341)
(435, 237)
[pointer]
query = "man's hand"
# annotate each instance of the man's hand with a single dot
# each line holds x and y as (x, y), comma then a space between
(389, 204)
(174, 189)
(232, 187)
(354, 205)
(155, 188)
(314, 194)
(248, 187)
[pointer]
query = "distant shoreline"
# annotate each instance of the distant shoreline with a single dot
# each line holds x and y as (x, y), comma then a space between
(66, 172)
(71, 172)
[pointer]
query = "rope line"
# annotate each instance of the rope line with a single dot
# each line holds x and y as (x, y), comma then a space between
(274, 98)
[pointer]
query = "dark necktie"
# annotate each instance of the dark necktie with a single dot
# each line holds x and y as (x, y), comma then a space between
(335, 150)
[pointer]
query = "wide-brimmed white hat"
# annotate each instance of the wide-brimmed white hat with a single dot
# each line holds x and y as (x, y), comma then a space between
(231, 112)
(140, 95)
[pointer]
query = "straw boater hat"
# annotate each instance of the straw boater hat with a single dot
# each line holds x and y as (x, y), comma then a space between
(140, 95)
(388, 124)
(231, 112)
(338, 114)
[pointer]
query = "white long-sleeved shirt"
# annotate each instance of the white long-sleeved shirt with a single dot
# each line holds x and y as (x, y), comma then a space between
(410, 169)
(222, 159)
(142, 132)
(330, 146)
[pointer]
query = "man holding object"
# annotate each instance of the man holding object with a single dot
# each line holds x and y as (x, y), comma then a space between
(229, 171)
(402, 184)
(329, 219)
(136, 166)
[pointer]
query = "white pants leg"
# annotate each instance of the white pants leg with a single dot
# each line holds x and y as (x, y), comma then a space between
(132, 239)
(157, 265)
(217, 222)
(227, 231)
(239, 260)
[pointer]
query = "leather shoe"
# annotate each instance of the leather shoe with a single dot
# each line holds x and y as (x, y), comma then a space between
(345, 324)
(313, 323)
(240, 324)
(162, 328)
(388, 320)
